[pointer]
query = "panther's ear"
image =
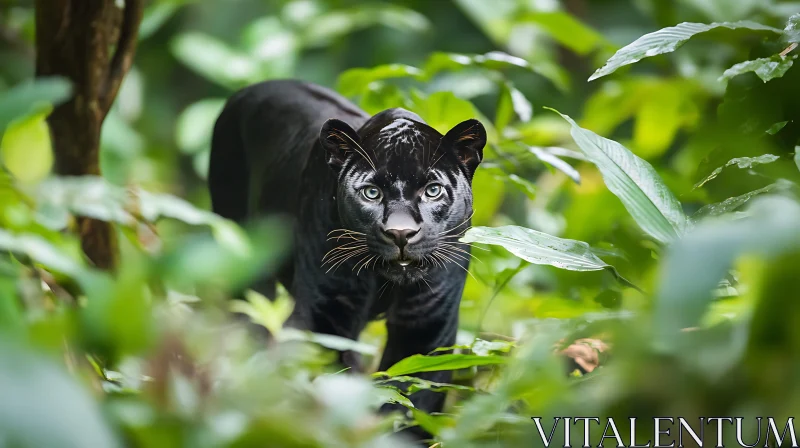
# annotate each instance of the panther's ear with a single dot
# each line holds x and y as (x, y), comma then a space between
(467, 140)
(339, 140)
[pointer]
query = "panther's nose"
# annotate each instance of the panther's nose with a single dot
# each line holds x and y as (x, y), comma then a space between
(400, 236)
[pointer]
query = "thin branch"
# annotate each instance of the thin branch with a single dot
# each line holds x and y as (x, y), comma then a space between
(123, 55)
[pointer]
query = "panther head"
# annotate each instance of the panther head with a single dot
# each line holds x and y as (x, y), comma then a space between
(404, 192)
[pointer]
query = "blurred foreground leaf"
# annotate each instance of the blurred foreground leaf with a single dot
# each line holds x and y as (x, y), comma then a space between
(43, 407)
(694, 265)
(26, 148)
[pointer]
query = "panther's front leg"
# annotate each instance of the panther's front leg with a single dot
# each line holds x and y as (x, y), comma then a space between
(420, 320)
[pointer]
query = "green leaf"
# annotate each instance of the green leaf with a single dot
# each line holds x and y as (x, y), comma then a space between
(37, 394)
(196, 123)
(324, 29)
(634, 181)
(357, 80)
(41, 251)
(693, 266)
(741, 162)
(433, 423)
(731, 204)
(554, 161)
(540, 248)
(214, 60)
(26, 148)
(791, 33)
(156, 15)
(522, 107)
(667, 40)
(417, 384)
(494, 60)
(32, 97)
(775, 128)
(327, 340)
(271, 314)
(797, 156)
(433, 363)
(765, 68)
(566, 30)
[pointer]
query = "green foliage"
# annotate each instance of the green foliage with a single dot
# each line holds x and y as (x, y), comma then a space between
(640, 183)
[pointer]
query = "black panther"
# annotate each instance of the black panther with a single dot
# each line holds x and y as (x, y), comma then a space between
(377, 206)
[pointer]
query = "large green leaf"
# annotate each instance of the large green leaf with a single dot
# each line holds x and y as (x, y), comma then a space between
(741, 162)
(765, 68)
(634, 181)
(694, 265)
(667, 40)
(541, 248)
(433, 363)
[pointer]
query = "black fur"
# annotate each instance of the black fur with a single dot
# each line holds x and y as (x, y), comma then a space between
(291, 148)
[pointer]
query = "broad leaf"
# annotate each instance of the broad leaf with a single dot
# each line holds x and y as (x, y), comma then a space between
(765, 68)
(667, 40)
(40, 251)
(694, 266)
(433, 363)
(741, 162)
(541, 248)
(634, 181)
(43, 405)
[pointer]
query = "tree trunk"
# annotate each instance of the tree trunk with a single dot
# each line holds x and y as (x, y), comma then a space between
(75, 39)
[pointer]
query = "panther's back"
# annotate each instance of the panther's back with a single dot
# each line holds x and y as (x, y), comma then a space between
(261, 144)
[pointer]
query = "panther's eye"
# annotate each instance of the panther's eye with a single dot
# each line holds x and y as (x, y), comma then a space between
(371, 192)
(433, 191)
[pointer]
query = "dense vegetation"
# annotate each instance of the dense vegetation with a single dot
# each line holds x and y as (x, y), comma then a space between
(670, 253)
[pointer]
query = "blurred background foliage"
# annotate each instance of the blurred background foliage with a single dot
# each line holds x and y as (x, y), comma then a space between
(698, 313)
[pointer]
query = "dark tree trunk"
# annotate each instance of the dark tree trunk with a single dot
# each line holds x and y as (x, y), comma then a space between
(92, 43)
